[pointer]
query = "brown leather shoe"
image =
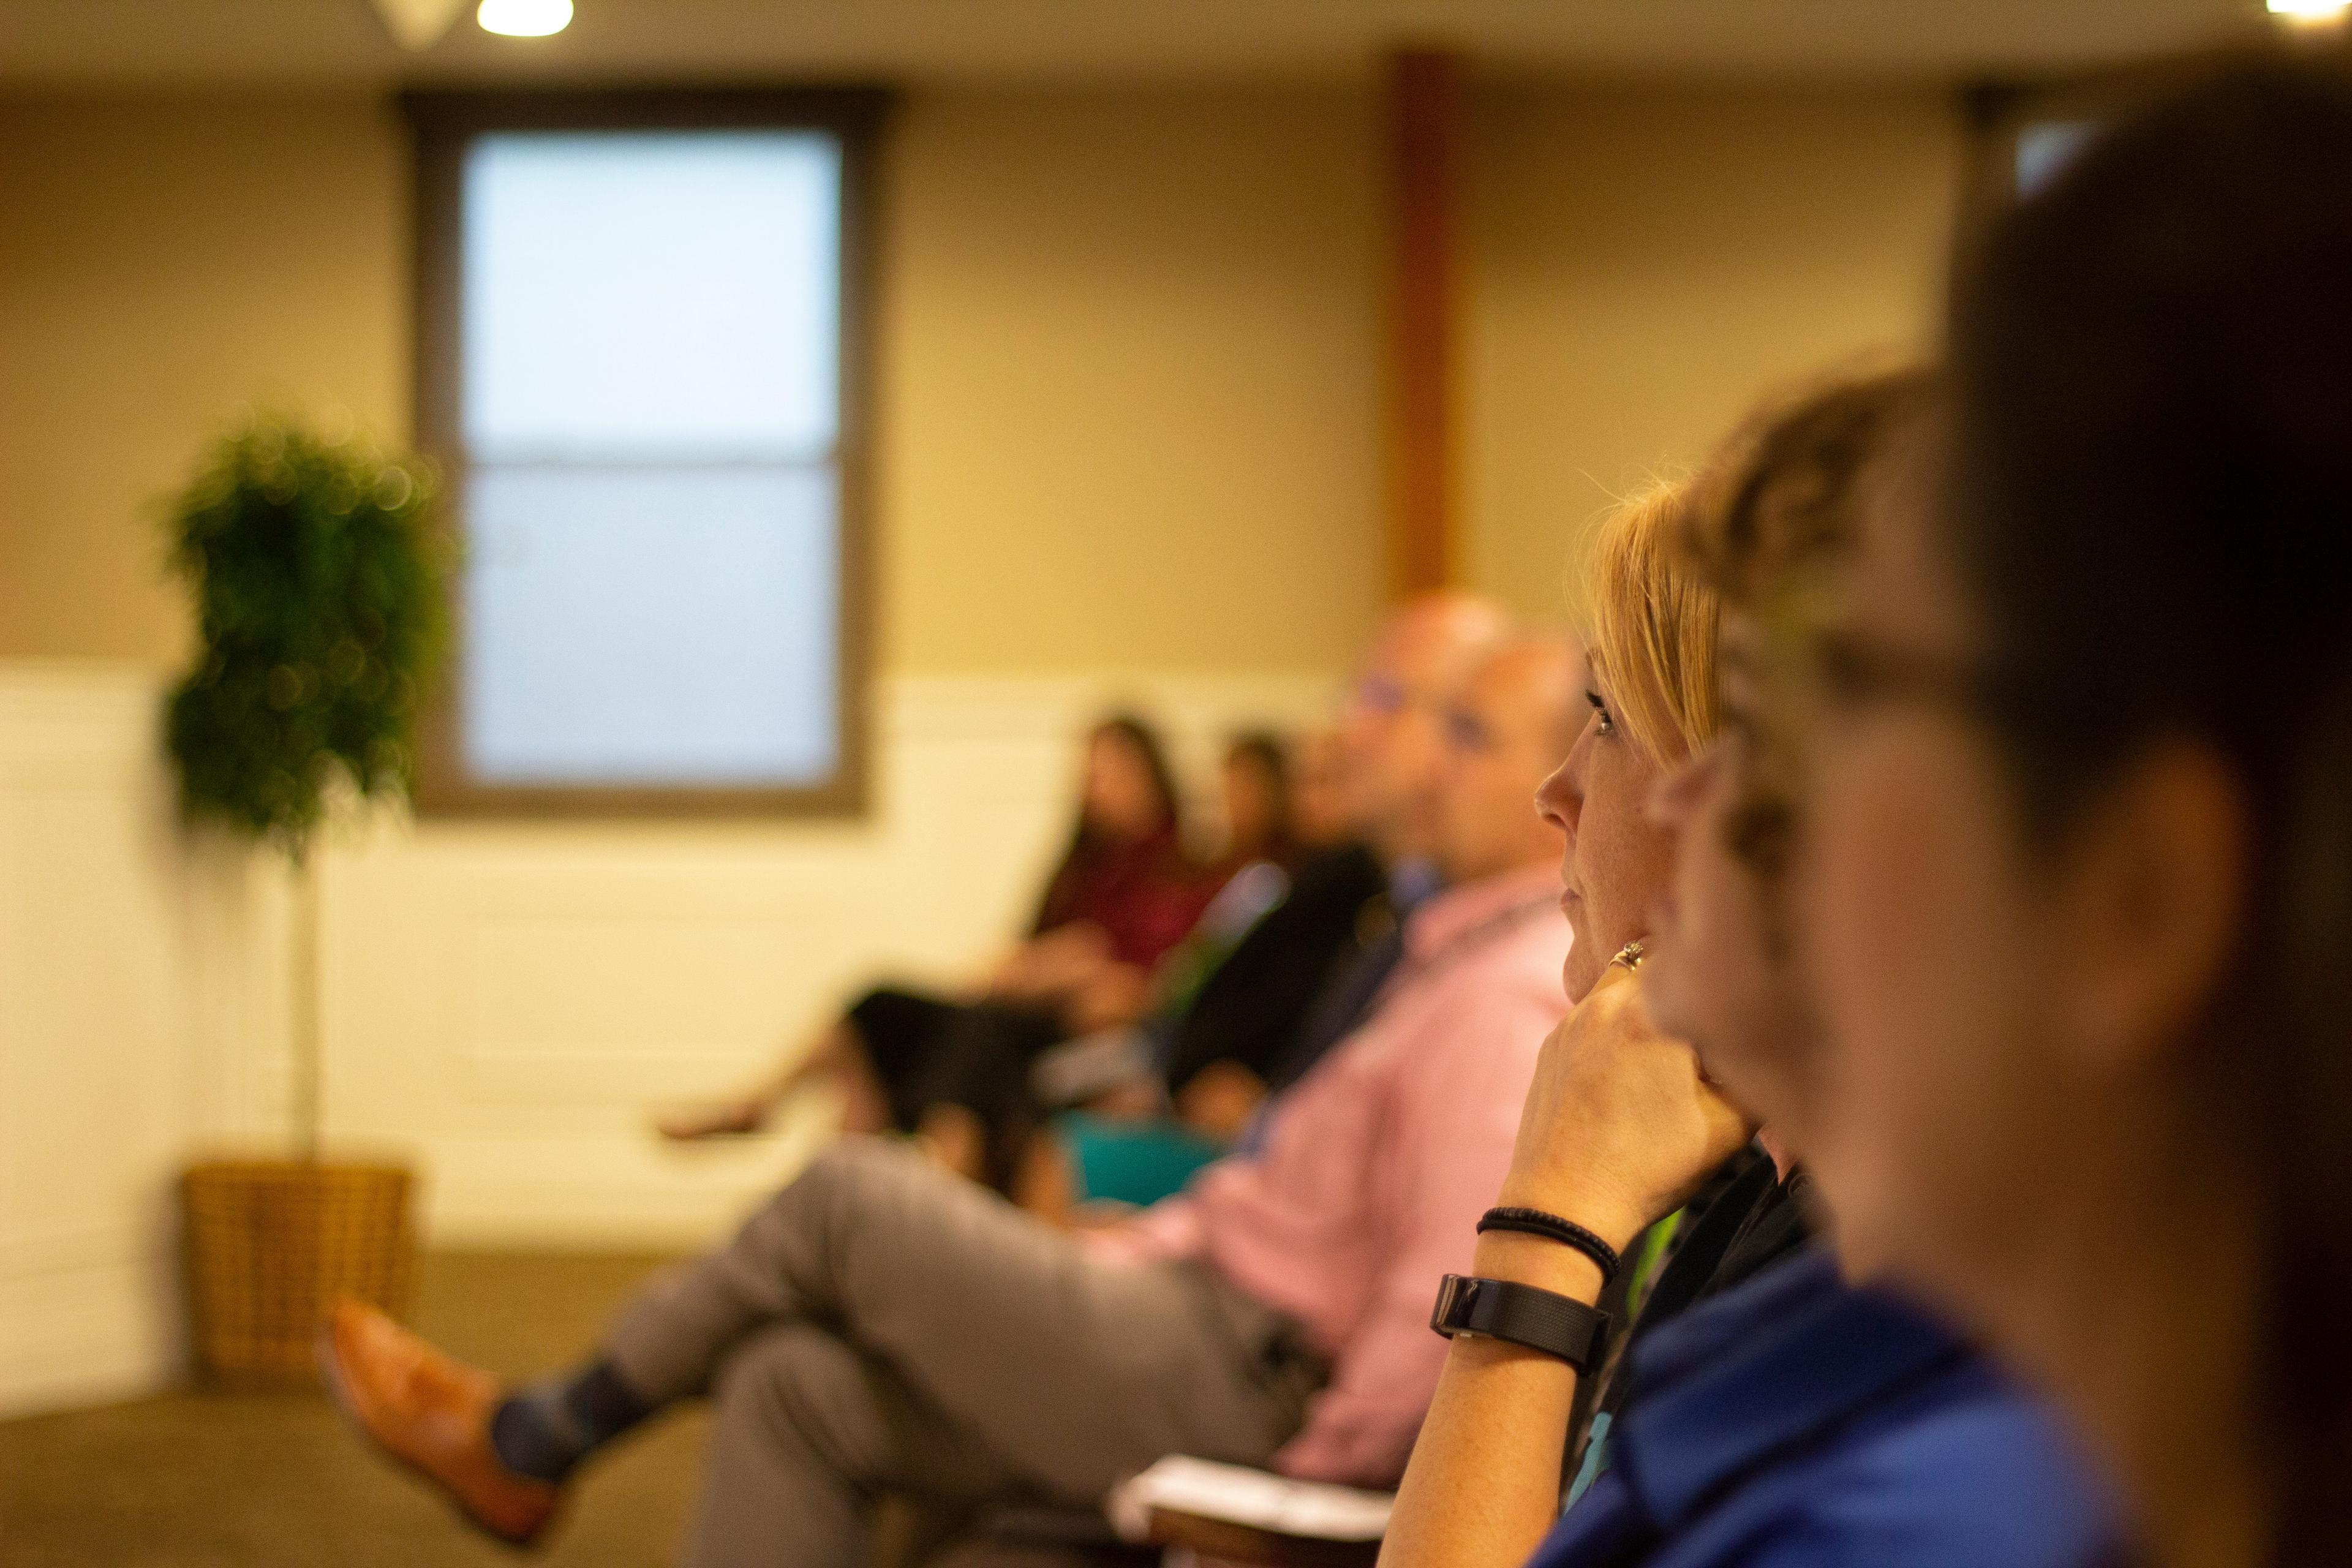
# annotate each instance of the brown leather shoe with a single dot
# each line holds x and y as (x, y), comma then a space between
(433, 1414)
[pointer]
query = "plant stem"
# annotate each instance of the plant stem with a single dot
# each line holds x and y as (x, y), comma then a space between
(308, 1107)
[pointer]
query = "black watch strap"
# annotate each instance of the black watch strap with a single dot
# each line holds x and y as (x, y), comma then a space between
(1540, 1320)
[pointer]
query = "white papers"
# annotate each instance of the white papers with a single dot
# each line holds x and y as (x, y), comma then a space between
(1239, 1495)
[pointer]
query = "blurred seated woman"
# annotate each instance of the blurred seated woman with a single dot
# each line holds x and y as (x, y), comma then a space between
(2077, 870)
(1213, 1065)
(1124, 894)
(1261, 823)
(953, 1070)
(1252, 873)
(1768, 1412)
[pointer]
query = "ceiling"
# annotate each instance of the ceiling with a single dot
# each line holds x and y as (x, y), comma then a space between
(322, 41)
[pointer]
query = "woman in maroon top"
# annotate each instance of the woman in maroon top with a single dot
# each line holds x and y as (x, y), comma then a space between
(1125, 891)
(954, 1070)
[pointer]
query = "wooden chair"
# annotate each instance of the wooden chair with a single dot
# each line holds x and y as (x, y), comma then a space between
(1157, 1535)
(1235, 1513)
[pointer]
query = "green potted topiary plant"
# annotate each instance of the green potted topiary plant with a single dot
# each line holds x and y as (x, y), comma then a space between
(316, 577)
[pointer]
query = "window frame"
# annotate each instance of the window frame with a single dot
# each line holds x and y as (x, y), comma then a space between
(444, 123)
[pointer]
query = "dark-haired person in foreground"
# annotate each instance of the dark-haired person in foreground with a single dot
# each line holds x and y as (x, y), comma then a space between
(1787, 1417)
(883, 1325)
(2077, 868)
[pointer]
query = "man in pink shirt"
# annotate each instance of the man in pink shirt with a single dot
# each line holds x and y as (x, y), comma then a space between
(883, 1326)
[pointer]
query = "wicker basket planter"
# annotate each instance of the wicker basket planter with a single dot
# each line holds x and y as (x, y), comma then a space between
(272, 1244)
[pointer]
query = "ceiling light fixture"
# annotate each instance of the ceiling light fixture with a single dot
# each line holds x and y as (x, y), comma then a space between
(524, 18)
(2309, 12)
(418, 24)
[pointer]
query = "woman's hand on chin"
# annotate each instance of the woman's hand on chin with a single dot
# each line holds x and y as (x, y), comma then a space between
(1620, 1124)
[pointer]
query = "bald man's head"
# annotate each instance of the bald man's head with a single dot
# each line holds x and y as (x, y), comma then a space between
(1391, 737)
(1509, 727)
(1438, 639)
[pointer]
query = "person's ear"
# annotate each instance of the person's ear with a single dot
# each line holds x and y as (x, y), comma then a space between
(2152, 903)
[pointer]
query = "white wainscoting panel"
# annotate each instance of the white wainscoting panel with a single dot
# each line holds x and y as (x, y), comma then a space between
(97, 1078)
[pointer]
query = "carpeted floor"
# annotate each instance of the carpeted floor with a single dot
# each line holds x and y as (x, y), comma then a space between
(212, 1481)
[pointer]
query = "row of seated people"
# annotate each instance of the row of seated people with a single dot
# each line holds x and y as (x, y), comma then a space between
(1276, 1310)
(1957, 917)
(1131, 1036)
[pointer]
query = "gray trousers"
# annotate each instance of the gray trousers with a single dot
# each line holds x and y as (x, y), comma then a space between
(882, 1326)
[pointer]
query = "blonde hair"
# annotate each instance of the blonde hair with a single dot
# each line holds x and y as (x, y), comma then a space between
(1650, 625)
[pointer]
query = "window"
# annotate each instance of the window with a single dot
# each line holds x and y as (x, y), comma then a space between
(640, 357)
(2027, 134)
(2045, 147)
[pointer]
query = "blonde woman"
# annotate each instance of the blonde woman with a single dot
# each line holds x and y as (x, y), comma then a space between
(1784, 1417)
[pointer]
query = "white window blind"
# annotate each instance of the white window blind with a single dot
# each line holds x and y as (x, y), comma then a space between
(649, 394)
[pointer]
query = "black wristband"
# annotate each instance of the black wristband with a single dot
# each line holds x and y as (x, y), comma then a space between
(1523, 1315)
(1568, 1233)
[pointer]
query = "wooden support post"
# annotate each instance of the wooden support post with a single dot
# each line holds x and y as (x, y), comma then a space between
(1424, 144)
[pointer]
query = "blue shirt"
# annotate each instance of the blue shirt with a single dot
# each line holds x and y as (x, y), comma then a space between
(1797, 1422)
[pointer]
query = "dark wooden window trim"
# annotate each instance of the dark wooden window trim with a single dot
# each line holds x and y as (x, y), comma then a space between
(443, 123)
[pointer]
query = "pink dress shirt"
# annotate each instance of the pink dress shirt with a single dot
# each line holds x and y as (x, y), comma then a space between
(1377, 1165)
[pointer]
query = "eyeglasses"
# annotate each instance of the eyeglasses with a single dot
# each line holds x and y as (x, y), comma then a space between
(1465, 732)
(1379, 694)
(1387, 697)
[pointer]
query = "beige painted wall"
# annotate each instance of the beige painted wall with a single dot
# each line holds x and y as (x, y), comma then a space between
(1128, 380)
(160, 262)
(1129, 347)
(1650, 261)
(1133, 379)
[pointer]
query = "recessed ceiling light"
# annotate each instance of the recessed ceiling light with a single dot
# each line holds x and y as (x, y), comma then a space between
(2304, 13)
(524, 18)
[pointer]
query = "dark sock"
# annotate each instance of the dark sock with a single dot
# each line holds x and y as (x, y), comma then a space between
(544, 1432)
